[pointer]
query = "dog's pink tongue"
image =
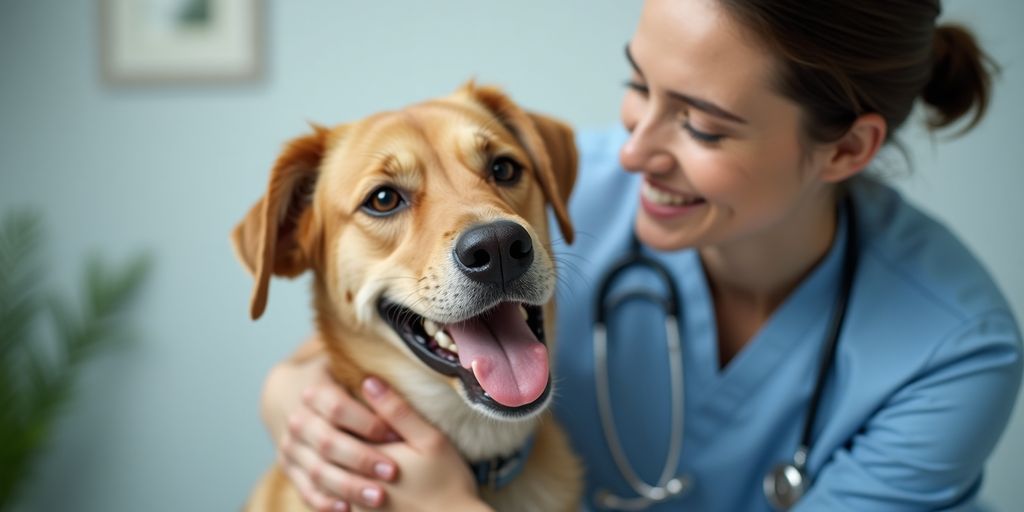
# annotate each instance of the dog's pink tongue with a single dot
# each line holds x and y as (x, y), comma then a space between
(504, 355)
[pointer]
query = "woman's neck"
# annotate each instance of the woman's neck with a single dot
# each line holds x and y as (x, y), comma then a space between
(750, 278)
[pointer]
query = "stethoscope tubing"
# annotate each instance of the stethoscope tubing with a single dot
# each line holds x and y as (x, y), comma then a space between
(793, 474)
(667, 486)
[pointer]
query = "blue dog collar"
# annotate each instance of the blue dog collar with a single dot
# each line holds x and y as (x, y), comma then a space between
(497, 472)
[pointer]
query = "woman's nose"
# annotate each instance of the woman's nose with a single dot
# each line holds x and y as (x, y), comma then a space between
(646, 150)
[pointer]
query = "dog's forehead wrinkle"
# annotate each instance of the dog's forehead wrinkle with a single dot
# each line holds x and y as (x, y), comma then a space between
(484, 139)
(385, 158)
(395, 157)
(378, 136)
(472, 120)
(416, 122)
(490, 120)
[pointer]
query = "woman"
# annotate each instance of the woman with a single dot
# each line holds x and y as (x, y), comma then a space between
(749, 125)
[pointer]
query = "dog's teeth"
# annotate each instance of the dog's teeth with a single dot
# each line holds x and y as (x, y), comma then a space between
(444, 340)
(522, 311)
(430, 327)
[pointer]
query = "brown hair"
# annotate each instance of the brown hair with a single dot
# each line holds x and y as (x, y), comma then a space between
(842, 59)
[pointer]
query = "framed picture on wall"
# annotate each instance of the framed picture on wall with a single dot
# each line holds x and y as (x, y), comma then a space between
(181, 41)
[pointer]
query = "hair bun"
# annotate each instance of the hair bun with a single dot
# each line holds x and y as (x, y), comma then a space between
(961, 77)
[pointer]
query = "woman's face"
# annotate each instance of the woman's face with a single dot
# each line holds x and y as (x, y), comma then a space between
(720, 151)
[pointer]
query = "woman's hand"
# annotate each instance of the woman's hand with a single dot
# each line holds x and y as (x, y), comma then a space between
(328, 442)
(433, 474)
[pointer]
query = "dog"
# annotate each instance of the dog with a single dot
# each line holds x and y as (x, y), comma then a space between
(426, 232)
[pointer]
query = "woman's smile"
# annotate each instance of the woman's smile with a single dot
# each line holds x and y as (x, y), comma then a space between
(662, 203)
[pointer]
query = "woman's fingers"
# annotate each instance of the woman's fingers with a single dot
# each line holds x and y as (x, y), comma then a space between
(408, 423)
(332, 402)
(315, 499)
(434, 474)
(320, 479)
(337, 447)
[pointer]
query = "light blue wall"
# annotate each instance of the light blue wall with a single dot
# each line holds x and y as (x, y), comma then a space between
(171, 424)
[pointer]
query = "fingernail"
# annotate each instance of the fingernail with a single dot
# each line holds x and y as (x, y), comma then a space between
(339, 506)
(374, 387)
(371, 496)
(294, 422)
(384, 470)
(307, 394)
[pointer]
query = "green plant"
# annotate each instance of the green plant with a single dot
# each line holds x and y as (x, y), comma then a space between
(45, 338)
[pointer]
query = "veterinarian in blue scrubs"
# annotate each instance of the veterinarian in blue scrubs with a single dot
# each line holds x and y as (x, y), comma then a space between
(741, 170)
(924, 376)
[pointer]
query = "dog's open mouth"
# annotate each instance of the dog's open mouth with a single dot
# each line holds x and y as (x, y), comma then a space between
(500, 355)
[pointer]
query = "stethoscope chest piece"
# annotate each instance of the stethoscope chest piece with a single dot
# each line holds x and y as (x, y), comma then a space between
(784, 485)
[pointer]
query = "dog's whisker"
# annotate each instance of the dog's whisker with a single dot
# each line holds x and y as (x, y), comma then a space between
(566, 260)
(586, 234)
(569, 266)
(560, 241)
(414, 304)
(570, 259)
(566, 255)
(565, 289)
(576, 272)
(564, 285)
(409, 309)
(396, 278)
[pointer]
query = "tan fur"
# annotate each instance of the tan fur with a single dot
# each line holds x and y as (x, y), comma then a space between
(310, 219)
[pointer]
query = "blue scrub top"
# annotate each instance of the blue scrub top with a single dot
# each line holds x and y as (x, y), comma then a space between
(923, 382)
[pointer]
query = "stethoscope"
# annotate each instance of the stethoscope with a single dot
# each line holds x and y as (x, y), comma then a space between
(785, 483)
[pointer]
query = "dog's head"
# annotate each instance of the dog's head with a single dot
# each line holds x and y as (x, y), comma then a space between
(427, 228)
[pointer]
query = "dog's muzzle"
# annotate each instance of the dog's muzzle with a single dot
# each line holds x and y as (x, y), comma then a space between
(492, 337)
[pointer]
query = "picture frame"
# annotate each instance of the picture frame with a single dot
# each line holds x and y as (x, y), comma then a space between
(153, 42)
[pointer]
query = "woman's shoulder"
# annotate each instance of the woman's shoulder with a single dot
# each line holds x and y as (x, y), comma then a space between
(600, 141)
(917, 272)
(599, 169)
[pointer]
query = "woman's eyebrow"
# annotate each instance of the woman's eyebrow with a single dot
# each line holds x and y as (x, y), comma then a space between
(632, 63)
(697, 103)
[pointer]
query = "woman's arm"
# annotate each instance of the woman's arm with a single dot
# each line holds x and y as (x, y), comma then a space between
(325, 439)
(925, 448)
(283, 387)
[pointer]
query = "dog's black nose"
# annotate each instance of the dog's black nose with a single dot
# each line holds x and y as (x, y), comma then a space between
(496, 253)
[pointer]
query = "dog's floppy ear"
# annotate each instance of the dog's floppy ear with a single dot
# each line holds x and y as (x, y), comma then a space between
(560, 142)
(550, 143)
(269, 240)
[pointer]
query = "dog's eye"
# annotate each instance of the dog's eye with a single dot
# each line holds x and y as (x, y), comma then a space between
(505, 170)
(383, 200)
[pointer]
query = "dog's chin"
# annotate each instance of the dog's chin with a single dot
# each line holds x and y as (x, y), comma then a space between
(439, 353)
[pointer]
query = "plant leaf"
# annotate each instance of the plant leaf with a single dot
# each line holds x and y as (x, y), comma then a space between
(36, 383)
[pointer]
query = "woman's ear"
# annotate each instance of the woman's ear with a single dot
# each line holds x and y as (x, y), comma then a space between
(855, 150)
